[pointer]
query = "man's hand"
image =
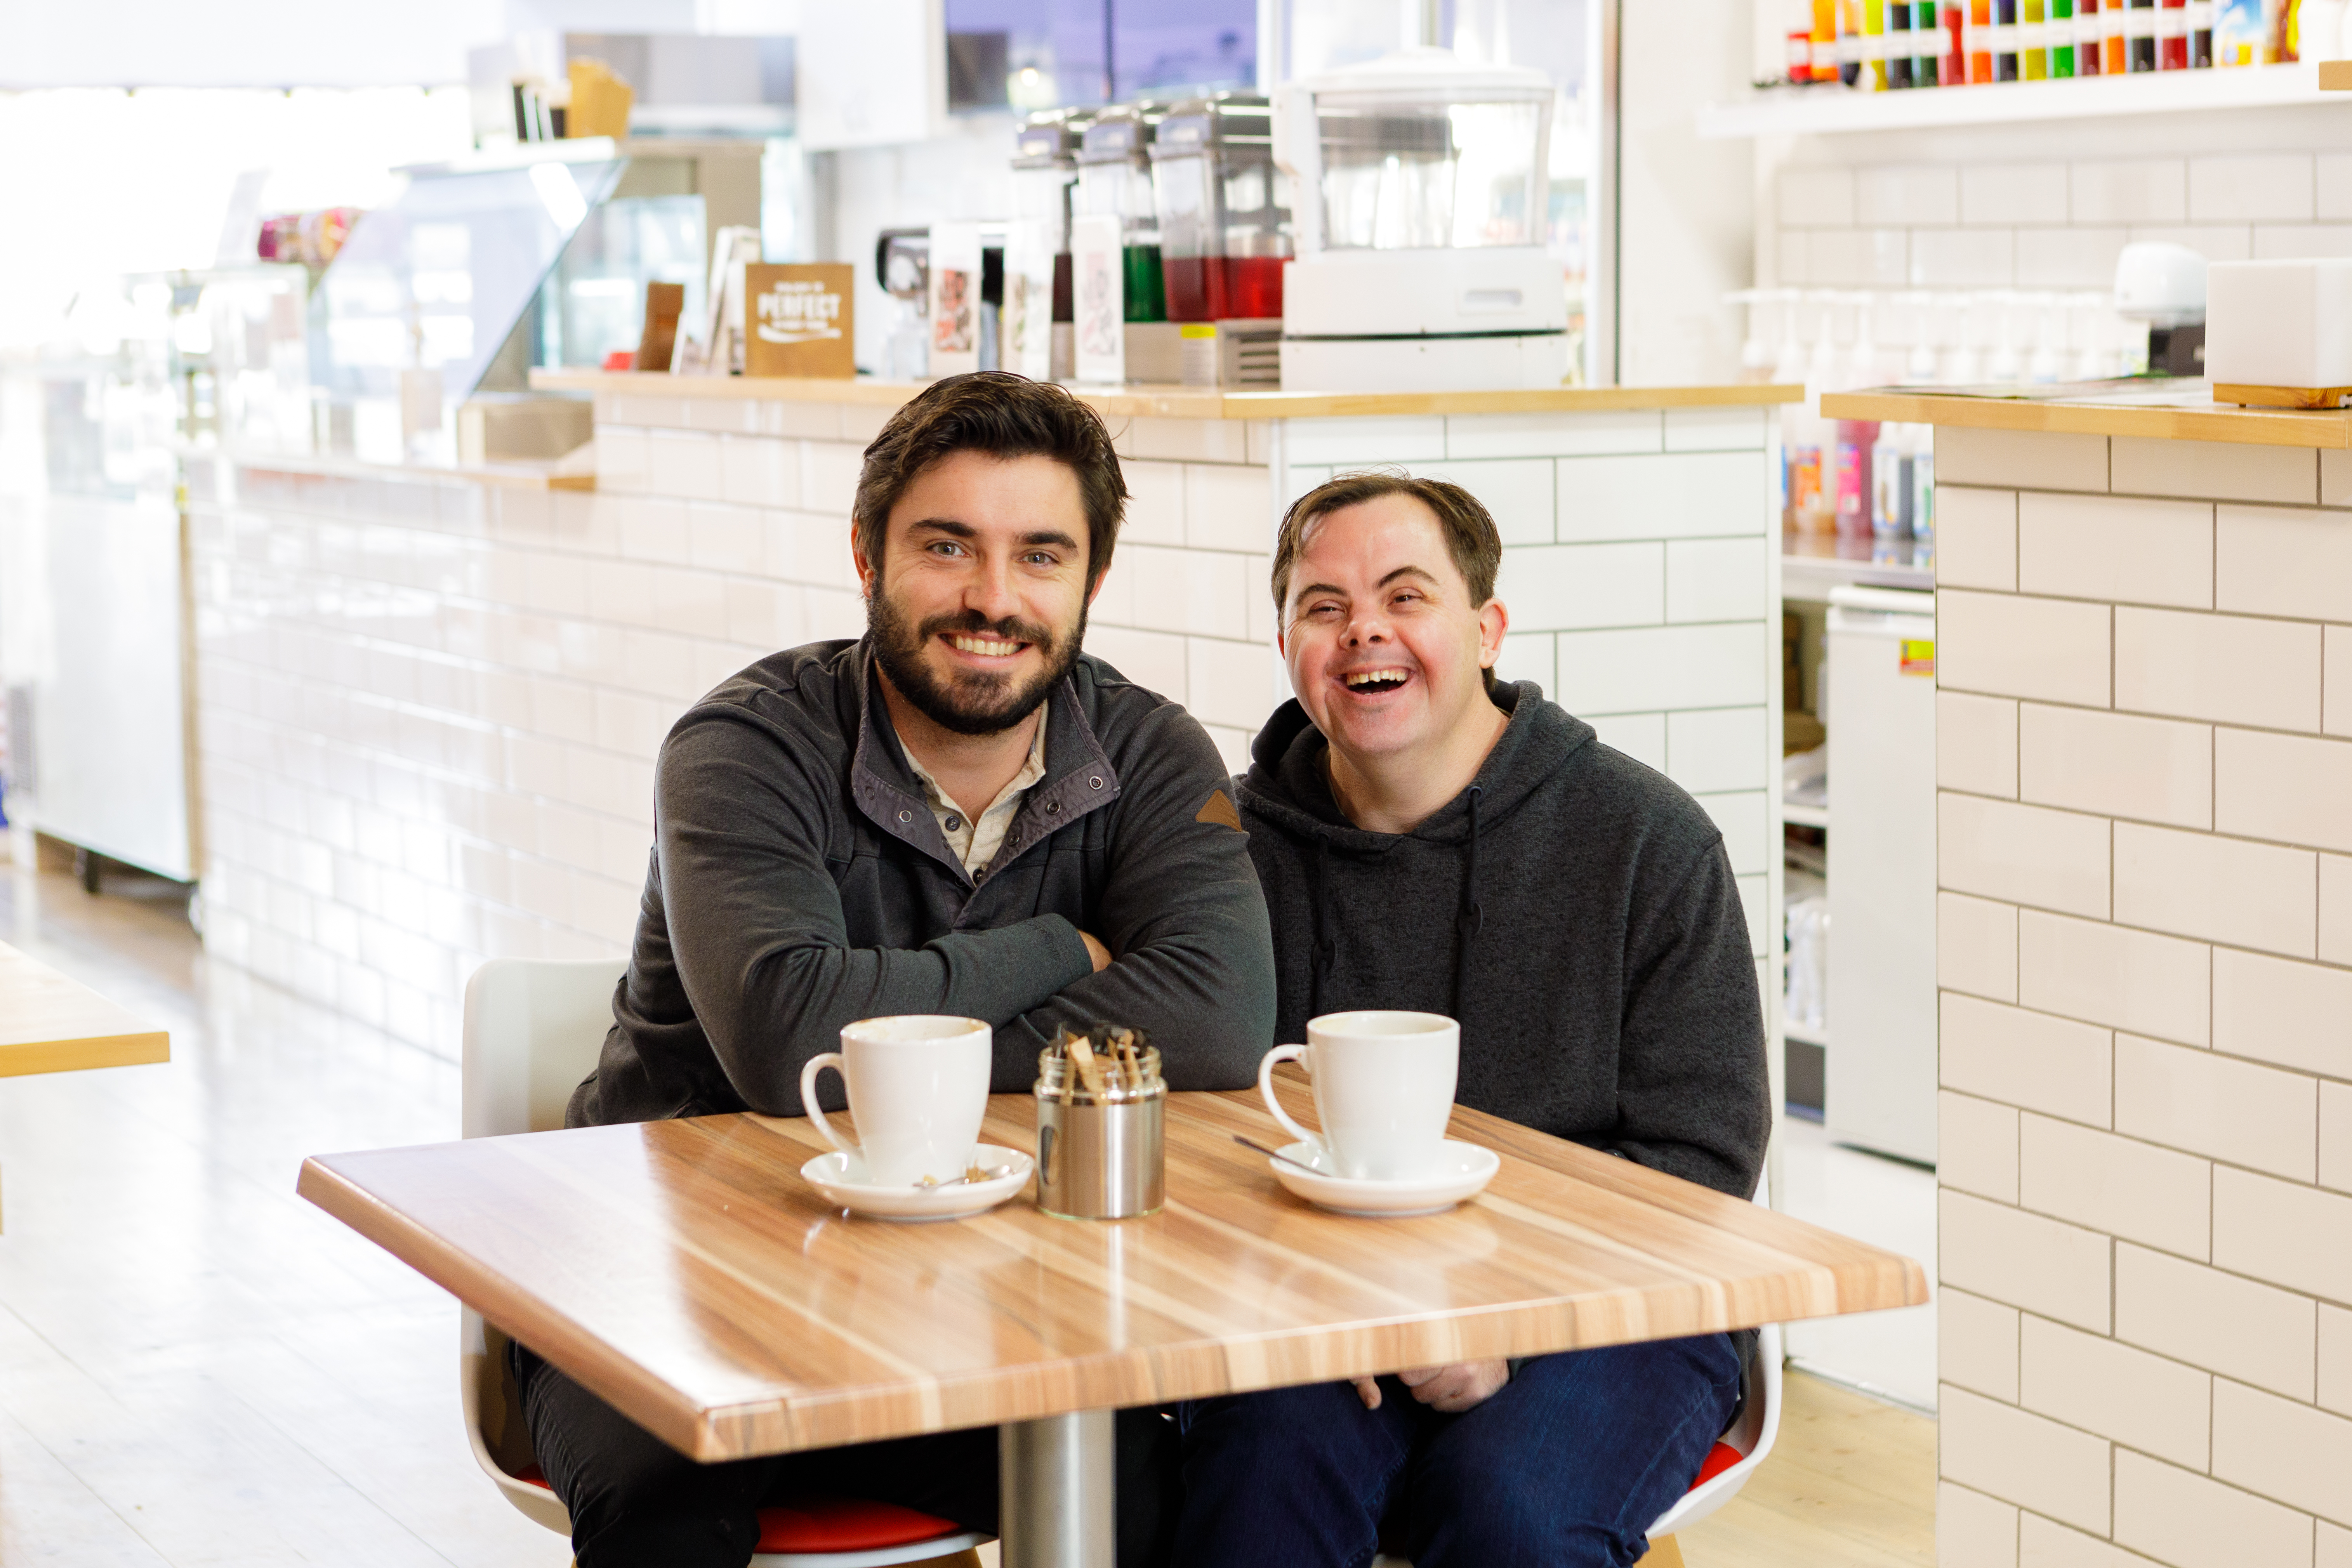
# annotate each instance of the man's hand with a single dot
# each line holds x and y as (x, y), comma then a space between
(1095, 951)
(1450, 1390)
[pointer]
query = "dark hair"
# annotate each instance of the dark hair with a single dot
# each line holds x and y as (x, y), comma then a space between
(1471, 538)
(1005, 416)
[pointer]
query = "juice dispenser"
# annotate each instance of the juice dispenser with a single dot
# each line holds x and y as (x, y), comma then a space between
(1037, 308)
(1224, 209)
(1419, 214)
(1115, 181)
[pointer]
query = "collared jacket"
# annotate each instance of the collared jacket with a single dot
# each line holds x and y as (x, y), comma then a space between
(799, 882)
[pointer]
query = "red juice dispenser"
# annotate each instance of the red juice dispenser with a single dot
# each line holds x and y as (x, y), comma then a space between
(1224, 211)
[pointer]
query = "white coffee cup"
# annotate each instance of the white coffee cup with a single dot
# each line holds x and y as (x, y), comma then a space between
(1383, 1089)
(918, 1086)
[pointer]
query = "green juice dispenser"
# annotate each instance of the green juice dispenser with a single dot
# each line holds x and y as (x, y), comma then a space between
(1115, 181)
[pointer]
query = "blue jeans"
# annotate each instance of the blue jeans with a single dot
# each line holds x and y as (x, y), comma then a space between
(1568, 1464)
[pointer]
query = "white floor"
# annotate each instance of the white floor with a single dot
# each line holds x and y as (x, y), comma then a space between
(1888, 1203)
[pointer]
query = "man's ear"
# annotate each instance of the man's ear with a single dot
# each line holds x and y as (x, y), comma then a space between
(865, 567)
(1494, 620)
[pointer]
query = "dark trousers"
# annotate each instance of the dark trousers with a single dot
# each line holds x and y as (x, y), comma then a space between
(1568, 1464)
(636, 1502)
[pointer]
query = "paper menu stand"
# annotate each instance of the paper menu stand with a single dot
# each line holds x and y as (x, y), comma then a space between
(803, 320)
(716, 347)
(955, 298)
(1026, 345)
(1099, 298)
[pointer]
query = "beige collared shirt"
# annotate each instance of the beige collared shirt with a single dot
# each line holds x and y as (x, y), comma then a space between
(976, 843)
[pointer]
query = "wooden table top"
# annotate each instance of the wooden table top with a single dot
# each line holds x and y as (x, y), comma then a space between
(51, 1024)
(684, 1271)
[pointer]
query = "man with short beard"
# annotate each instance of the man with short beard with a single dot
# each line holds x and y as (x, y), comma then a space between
(959, 812)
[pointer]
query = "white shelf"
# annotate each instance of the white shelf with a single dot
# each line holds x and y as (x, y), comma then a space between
(1811, 577)
(1824, 110)
(1805, 816)
(1799, 1033)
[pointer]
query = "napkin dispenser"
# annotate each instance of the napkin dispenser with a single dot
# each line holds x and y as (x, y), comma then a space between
(1101, 1126)
(2279, 333)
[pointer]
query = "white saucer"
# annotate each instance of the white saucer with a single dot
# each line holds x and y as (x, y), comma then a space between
(842, 1179)
(1463, 1169)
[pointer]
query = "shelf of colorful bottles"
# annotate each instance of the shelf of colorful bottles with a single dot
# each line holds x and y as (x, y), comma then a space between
(1828, 109)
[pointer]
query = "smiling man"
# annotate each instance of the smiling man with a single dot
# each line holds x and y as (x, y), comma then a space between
(959, 812)
(1432, 839)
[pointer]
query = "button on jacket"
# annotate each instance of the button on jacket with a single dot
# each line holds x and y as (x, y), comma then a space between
(799, 881)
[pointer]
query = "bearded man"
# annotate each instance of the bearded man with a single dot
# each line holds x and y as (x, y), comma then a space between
(959, 812)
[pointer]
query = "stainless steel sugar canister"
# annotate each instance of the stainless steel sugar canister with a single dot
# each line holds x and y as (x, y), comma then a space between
(1101, 1106)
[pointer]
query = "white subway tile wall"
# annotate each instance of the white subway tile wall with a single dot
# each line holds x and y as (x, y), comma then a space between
(2145, 951)
(2049, 224)
(431, 708)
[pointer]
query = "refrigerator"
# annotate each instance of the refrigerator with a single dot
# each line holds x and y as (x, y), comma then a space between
(1880, 1078)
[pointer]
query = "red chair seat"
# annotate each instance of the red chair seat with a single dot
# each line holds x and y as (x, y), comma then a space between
(846, 1524)
(831, 1524)
(1720, 1458)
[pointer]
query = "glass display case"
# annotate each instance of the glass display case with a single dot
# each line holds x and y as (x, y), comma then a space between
(446, 298)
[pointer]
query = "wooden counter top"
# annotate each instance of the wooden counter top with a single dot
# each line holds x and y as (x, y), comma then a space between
(2185, 413)
(518, 475)
(1182, 402)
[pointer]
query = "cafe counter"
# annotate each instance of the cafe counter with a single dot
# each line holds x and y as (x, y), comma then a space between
(430, 700)
(2144, 857)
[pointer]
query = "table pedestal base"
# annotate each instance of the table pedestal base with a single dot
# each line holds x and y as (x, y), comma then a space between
(1056, 1480)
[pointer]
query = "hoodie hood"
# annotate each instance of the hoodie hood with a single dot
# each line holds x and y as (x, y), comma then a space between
(1289, 783)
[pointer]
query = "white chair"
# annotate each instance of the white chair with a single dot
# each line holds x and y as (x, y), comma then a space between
(532, 1032)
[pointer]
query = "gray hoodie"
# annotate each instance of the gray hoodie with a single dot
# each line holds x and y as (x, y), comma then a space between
(1572, 909)
(800, 882)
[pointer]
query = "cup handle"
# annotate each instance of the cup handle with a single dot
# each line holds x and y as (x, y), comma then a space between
(1265, 1086)
(808, 1099)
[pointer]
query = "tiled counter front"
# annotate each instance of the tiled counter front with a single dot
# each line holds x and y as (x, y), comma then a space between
(2145, 851)
(430, 707)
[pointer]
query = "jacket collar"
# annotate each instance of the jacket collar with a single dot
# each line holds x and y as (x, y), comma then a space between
(1078, 778)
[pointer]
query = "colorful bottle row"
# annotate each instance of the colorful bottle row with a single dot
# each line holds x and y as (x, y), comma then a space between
(1881, 44)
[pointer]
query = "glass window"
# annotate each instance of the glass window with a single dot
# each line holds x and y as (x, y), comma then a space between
(1053, 54)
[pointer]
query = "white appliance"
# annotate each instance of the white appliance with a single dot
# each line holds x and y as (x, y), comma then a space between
(1422, 193)
(1880, 1078)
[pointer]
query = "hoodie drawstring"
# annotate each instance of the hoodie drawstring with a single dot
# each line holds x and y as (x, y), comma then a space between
(1470, 915)
(1319, 954)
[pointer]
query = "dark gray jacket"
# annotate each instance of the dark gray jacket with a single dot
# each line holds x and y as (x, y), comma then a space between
(800, 882)
(1572, 909)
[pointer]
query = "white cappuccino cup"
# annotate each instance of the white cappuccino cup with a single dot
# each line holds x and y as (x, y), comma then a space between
(1383, 1090)
(918, 1088)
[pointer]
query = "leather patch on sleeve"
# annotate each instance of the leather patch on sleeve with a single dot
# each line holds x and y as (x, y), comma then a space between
(1219, 809)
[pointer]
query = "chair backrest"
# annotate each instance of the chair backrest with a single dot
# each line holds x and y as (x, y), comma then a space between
(533, 1030)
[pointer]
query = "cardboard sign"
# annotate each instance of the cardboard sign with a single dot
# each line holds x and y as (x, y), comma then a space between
(799, 319)
(1099, 284)
(1025, 343)
(955, 300)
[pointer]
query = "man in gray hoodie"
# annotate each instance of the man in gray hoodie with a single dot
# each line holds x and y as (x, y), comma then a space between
(1431, 839)
(959, 812)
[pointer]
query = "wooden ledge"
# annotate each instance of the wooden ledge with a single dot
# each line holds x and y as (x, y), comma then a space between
(2193, 417)
(1183, 402)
